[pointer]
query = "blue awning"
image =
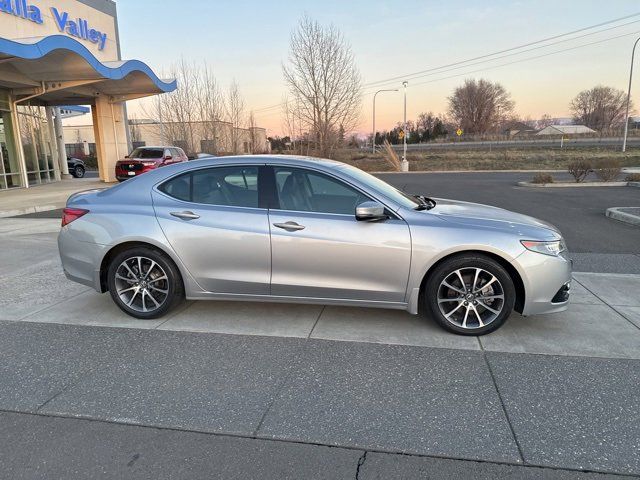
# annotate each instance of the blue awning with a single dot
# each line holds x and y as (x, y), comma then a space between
(58, 58)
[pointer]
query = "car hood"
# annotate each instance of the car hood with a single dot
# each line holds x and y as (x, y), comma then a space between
(476, 214)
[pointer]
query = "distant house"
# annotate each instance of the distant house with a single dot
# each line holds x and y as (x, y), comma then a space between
(565, 130)
(518, 128)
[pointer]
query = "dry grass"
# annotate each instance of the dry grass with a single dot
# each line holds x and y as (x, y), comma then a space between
(521, 159)
(391, 156)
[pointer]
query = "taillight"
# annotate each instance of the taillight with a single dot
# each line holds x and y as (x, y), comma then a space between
(71, 214)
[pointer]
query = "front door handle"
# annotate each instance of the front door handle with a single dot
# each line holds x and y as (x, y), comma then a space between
(289, 226)
(186, 215)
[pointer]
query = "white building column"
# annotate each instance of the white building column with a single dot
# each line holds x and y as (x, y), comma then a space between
(53, 144)
(62, 151)
(110, 134)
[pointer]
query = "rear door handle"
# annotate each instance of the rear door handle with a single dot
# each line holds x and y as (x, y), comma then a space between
(289, 226)
(186, 215)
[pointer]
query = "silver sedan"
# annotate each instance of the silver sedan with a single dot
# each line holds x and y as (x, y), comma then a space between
(293, 229)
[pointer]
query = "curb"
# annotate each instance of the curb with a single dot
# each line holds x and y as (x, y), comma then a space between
(617, 214)
(634, 184)
(34, 209)
(573, 184)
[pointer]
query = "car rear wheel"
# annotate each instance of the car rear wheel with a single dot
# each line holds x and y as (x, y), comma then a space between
(78, 171)
(470, 294)
(144, 282)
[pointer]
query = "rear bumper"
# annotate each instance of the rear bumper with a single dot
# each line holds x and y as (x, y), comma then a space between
(80, 260)
(546, 280)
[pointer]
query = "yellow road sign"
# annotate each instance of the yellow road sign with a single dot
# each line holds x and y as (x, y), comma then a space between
(401, 134)
(459, 132)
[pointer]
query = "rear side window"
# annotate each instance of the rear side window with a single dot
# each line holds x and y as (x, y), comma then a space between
(235, 186)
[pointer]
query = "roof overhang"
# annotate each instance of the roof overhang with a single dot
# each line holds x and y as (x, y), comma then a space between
(64, 72)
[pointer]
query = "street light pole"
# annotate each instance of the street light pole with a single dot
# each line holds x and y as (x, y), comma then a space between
(626, 117)
(404, 166)
(373, 141)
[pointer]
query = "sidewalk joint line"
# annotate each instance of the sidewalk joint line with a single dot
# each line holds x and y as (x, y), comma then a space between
(65, 389)
(504, 408)
(316, 322)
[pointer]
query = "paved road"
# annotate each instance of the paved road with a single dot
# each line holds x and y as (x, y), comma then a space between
(81, 449)
(597, 243)
(538, 142)
(488, 407)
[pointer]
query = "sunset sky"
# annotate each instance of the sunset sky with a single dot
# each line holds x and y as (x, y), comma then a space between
(249, 40)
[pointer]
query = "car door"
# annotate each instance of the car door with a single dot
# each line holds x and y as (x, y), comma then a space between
(213, 220)
(319, 249)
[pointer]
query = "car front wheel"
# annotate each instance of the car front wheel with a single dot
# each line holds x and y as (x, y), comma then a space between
(470, 294)
(78, 172)
(144, 282)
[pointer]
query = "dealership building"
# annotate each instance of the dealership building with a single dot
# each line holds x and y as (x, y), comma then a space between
(58, 57)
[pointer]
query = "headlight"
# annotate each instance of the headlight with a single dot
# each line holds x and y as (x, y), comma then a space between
(553, 248)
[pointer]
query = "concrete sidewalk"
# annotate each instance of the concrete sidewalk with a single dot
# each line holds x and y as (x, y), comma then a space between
(41, 198)
(603, 319)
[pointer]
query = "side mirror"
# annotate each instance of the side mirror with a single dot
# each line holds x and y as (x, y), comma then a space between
(167, 157)
(370, 212)
(126, 156)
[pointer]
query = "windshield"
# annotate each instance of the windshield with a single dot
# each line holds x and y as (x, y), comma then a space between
(383, 187)
(147, 153)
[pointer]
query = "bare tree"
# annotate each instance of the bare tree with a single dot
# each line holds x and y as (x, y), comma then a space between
(253, 136)
(235, 116)
(599, 108)
(134, 129)
(324, 83)
(193, 111)
(480, 106)
(544, 121)
(211, 110)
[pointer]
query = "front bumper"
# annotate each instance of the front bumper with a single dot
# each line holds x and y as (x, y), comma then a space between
(547, 282)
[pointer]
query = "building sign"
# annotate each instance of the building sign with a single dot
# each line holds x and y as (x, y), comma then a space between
(76, 27)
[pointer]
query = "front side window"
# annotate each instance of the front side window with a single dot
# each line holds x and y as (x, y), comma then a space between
(235, 186)
(308, 191)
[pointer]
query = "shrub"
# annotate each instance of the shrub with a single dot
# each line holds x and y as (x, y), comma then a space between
(579, 169)
(608, 169)
(632, 177)
(542, 178)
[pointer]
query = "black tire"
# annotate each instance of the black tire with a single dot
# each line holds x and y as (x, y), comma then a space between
(467, 264)
(173, 283)
(78, 171)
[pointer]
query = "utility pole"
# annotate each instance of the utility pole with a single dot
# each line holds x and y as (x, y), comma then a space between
(373, 141)
(626, 117)
(404, 166)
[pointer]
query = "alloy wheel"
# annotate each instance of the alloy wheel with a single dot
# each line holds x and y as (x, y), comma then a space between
(141, 284)
(471, 297)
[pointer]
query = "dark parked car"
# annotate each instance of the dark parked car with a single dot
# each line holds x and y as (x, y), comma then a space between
(143, 159)
(76, 167)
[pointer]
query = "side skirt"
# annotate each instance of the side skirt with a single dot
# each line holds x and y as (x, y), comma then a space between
(303, 300)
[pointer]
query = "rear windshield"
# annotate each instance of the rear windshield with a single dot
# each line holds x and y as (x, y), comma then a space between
(147, 153)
